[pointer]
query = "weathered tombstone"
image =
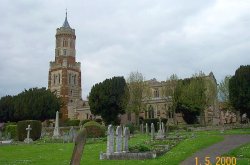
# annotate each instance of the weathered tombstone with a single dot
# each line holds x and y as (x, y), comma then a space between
(28, 139)
(72, 134)
(152, 131)
(146, 128)
(110, 140)
(119, 139)
(79, 146)
(125, 139)
(163, 128)
(43, 132)
(56, 133)
(142, 128)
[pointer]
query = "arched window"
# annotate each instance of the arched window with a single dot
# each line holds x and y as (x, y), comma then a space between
(150, 112)
(59, 78)
(69, 78)
(64, 52)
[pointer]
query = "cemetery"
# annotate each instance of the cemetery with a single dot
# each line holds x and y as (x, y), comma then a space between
(152, 144)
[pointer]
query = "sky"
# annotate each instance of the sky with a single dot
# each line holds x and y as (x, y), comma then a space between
(113, 38)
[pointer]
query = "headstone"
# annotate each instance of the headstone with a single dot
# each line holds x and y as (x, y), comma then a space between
(28, 139)
(152, 131)
(125, 139)
(43, 132)
(163, 128)
(72, 134)
(146, 128)
(65, 137)
(110, 140)
(56, 133)
(142, 128)
(79, 146)
(119, 139)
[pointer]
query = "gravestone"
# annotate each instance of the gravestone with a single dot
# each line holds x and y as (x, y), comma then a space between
(160, 134)
(152, 131)
(28, 139)
(110, 140)
(65, 137)
(163, 128)
(72, 134)
(56, 133)
(79, 146)
(119, 139)
(146, 128)
(43, 132)
(142, 128)
(125, 139)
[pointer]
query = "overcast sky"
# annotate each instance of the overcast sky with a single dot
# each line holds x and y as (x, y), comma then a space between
(155, 37)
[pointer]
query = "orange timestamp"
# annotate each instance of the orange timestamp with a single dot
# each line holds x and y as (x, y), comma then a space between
(220, 160)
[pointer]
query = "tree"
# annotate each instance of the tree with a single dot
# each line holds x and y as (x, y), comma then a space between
(239, 90)
(137, 93)
(109, 99)
(169, 90)
(223, 93)
(190, 98)
(6, 109)
(223, 89)
(35, 104)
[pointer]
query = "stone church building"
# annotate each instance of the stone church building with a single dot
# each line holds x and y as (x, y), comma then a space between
(65, 80)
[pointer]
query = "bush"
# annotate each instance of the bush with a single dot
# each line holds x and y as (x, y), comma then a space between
(12, 129)
(139, 148)
(131, 127)
(84, 121)
(35, 133)
(94, 129)
(172, 127)
(72, 123)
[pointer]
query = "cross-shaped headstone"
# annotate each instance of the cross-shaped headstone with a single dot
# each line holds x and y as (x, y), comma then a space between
(28, 139)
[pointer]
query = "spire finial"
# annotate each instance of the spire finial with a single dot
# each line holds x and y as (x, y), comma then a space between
(66, 24)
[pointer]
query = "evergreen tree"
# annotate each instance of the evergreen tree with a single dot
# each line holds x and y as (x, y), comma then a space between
(109, 99)
(239, 90)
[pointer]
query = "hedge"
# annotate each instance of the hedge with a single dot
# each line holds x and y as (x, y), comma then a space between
(12, 129)
(94, 129)
(35, 133)
(72, 123)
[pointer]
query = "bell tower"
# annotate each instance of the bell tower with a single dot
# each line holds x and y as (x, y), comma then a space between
(65, 73)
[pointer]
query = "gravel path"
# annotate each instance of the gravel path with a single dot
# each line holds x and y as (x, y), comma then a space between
(230, 142)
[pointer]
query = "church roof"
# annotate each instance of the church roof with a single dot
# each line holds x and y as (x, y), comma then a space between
(66, 23)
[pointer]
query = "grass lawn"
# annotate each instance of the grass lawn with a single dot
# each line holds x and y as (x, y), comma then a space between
(58, 153)
(242, 154)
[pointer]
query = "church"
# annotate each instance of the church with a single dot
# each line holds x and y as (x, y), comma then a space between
(65, 81)
(65, 74)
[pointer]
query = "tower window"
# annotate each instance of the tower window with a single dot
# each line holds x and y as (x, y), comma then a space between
(59, 78)
(64, 52)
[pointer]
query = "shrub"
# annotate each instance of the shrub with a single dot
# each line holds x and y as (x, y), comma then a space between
(84, 121)
(35, 133)
(131, 127)
(172, 127)
(12, 129)
(139, 148)
(72, 123)
(94, 129)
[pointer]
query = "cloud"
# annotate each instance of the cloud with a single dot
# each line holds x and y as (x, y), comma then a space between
(157, 38)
